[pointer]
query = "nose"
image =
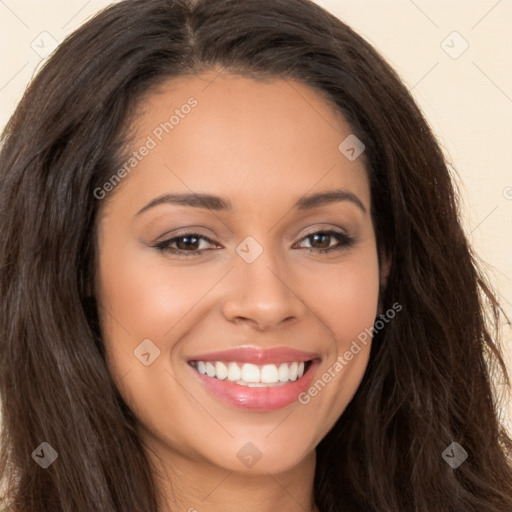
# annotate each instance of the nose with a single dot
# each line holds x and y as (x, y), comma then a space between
(263, 294)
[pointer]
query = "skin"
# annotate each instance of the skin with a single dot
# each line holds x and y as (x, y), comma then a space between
(262, 145)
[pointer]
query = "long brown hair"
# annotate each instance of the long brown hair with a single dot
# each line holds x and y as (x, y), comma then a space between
(428, 381)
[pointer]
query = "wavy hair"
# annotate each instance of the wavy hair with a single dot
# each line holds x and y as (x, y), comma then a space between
(429, 381)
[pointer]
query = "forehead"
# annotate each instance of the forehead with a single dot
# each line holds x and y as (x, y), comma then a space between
(250, 140)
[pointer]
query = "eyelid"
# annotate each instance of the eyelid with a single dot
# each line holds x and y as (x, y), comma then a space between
(324, 229)
(193, 230)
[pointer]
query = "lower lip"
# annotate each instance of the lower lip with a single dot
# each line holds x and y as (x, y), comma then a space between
(258, 399)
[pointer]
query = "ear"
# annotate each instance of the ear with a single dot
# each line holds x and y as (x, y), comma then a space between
(87, 288)
(384, 268)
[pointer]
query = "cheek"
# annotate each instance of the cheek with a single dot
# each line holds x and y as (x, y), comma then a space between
(144, 298)
(355, 302)
(348, 306)
(346, 297)
(148, 298)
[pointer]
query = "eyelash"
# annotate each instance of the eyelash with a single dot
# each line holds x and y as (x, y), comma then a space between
(344, 241)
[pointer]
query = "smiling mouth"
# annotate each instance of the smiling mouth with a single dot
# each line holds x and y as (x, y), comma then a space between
(252, 375)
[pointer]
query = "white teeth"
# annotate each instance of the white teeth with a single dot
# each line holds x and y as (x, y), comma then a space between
(221, 370)
(269, 374)
(234, 372)
(283, 372)
(293, 371)
(210, 369)
(251, 375)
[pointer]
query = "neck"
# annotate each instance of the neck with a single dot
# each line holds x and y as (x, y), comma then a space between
(195, 485)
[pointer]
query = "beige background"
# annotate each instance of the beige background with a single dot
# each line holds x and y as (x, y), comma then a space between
(466, 93)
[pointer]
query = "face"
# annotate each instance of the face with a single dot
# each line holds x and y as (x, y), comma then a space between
(228, 320)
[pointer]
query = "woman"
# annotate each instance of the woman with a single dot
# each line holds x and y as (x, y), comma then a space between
(234, 277)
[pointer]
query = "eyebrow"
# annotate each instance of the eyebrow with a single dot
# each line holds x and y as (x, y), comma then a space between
(217, 203)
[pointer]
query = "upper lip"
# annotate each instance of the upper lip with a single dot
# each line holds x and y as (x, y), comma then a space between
(257, 355)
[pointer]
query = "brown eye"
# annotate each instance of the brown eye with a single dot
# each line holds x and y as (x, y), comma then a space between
(187, 244)
(320, 241)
